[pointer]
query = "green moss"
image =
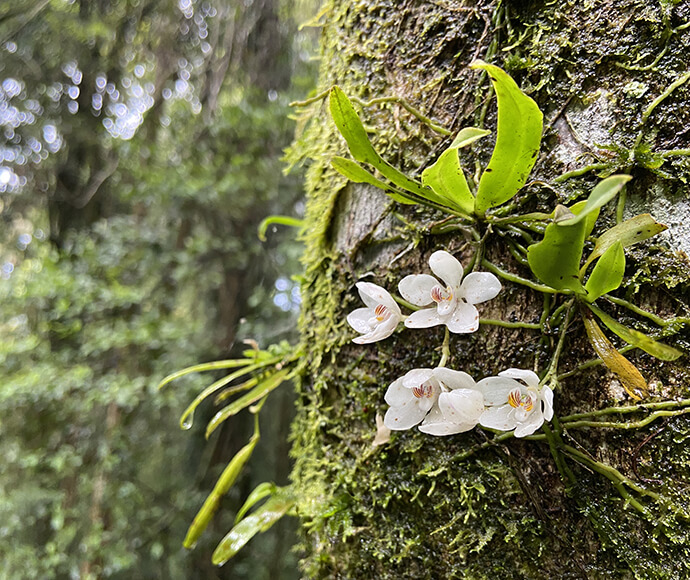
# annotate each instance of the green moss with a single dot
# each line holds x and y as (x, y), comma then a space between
(409, 508)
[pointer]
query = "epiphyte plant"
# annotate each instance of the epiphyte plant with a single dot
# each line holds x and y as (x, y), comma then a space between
(556, 259)
(516, 402)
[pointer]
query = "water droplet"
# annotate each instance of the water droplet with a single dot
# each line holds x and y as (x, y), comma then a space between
(187, 422)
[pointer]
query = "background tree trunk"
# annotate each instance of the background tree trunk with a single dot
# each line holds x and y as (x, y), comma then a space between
(412, 508)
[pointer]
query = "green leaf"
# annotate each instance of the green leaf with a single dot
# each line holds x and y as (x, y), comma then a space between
(355, 172)
(604, 192)
(209, 366)
(556, 259)
(260, 521)
(517, 141)
(637, 338)
(447, 179)
(351, 128)
(224, 483)
(628, 374)
(629, 232)
(185, 419)
(260, 391)
(467, 136)
(261, 491)
(607, 274)
(282, 220)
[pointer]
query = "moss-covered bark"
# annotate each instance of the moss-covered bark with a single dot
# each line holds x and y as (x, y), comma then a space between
(412, 508)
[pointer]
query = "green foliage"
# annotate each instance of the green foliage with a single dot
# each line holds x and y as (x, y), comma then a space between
(517, 141)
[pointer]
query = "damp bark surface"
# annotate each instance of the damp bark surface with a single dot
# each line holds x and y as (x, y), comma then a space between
(413, 507)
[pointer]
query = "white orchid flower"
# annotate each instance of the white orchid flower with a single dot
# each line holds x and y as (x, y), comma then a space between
(514, 401)
(459, 405)
(453, 302)
(410, 398)
(379, 319)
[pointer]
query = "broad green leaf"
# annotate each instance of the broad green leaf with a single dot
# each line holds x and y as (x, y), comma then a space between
(224, 483)
(607, 274)
(261, 390)
(556, 259)
(447, 179)
(260, 521)
(637, 338)
(355, 172)
(629, 232)
(604, 192)
(351, 128)
(631, 378)
(467, 136)
(261, 491)
(517, 141)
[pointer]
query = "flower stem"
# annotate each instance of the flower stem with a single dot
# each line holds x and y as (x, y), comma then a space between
(551, 376)
(506, 324)
(445, 349)
(651, 316)
(517, 279)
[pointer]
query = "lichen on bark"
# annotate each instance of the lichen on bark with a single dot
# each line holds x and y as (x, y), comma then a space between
(410, 508)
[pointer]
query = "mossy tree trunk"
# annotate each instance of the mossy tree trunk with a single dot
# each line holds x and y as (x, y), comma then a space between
(416, 507)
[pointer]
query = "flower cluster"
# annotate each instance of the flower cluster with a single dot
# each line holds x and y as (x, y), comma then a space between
(443, 401)
(450, 303)
(446, 402)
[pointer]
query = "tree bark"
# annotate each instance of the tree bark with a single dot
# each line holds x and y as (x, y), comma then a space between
(414, 507)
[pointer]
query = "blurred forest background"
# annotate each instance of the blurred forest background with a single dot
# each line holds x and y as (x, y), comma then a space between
(141, 146)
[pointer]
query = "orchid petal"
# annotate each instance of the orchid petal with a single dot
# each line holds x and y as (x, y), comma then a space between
(530, 378)
(416, 288)
(372, 295)
(442, 428)
(479, 287)
(423, 318)
(497, 389)
(416, 377)
(403, 417)
(462, 406)
(454, 379)
(464, 319)
(533, 422)
(360, 320)
(499, 418)
(446, 267)
(397, 395)
(547, 397)
(446, 307)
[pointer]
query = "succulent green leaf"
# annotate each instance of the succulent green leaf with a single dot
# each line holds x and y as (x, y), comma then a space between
(607, 274)
(467, 136)
(517, 141)
(355, 172)
(604, 192)
(556, 259)
(629, 232)
(258, 392)
(224, 483)
(637, 338)
(351, 128)
(261, 491)
(447, 179)
(259, 521)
